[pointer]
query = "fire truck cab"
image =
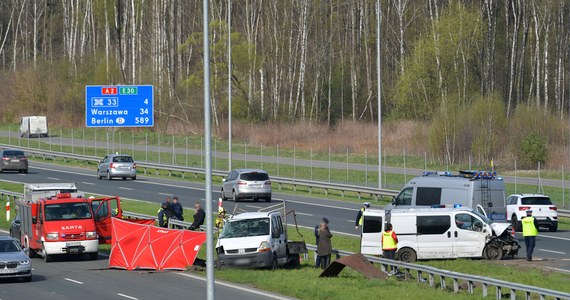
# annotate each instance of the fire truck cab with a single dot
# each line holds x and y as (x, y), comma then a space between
(65, 223)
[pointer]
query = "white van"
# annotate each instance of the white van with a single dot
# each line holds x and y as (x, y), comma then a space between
(438, 233)
(34, 126)
(257, 240)
(484, 190)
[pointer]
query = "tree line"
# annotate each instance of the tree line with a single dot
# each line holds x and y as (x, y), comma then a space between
(292, 59)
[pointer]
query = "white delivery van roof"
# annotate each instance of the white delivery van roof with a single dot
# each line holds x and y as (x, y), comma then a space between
(50, 186)
(419, 209)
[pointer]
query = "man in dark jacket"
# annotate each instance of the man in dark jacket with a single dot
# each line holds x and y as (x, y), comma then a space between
(199, 217)
(177, 209)
(324, 247)
(326, 221)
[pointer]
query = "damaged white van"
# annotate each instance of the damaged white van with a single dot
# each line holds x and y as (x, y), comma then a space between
(438, 233)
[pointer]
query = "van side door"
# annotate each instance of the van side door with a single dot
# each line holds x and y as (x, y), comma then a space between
(468, 237)
(278, 243)
(434, 236)
(371, 237)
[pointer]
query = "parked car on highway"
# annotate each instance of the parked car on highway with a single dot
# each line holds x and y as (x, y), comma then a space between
(13, 160)
(117, 165)
(14, 262)
(543, 210)
(247, 184)
(15, 227)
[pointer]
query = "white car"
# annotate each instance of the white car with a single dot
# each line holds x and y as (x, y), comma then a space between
(543, 210)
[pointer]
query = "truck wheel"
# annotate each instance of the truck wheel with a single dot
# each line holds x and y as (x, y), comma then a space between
(25, 171)
(517, 225)
(492, 252)
(124, 178)
(31, 252)
(93, 255)
(268, 199)
(47, 257)
(553, 228)
(407, 255)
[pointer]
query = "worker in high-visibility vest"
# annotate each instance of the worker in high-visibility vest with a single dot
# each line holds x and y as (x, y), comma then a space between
(360, 215)
(389, 243)
(530, 231)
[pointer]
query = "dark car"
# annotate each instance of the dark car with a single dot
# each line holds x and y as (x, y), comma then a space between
(15, 228)
(13, 160)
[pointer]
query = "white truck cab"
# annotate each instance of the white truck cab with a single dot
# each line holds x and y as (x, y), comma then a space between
(438, 233)
(256, 239)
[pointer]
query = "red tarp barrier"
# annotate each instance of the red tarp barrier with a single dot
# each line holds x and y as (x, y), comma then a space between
(138, 246)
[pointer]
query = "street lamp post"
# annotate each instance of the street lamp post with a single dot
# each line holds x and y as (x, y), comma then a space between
(229, 85)
(379, 85)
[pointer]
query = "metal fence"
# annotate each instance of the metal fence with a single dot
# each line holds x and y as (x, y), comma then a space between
(439, 278)
(182, 170)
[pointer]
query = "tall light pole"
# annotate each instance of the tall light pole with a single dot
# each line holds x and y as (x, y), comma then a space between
(208, 147)
(229, 85)
(379, 85)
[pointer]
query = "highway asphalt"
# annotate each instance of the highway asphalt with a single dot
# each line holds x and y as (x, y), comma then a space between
(554, 247)
(73, 277)
(127, 147)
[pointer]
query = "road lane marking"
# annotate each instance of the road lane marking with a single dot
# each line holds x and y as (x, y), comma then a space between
(127, 296)
(74, 281)
(303, 214)
(552, 251)
(53, 178)
(125, 188)
(165, 194)
(335, 232)
(88, 183)
(253, 206)
(237, 287)
(554, 237)
(351, 221)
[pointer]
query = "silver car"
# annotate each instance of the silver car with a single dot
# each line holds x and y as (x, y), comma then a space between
(117, 165)
(14, 263)
(247, 184)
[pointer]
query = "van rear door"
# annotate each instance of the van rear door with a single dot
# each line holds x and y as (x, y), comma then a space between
(434, 237)
(371, 239)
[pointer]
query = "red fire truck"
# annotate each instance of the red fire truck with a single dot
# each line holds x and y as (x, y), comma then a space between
(67, 223)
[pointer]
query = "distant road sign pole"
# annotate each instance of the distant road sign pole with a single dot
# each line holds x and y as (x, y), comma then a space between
(207, 136)
(119, 106)
(229, 85)
(379, 86)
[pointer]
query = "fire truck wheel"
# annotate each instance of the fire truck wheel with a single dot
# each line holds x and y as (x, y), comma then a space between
(93, 255)
(47, 258)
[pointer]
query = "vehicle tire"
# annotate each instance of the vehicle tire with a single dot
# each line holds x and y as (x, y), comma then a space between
(109, 176)
(31, 252)
(407, 255)
(553, 228)
(47, 257)
(268, 199)
(93, 255)
(134, 178)
(492, 252)
(27, 279)
(274, 264)
(99, 175)
(294, 261)
(223, 196)
(517, 225)
(25, 171)
(234, 196)
(124, 178)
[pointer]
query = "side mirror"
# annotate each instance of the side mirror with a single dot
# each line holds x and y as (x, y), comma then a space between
(100, 161)
(275, 234)
(34, 220)
(223, 180)
(394, 201)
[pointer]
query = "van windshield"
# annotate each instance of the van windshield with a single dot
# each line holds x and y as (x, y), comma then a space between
(245, 228)
(485, 219)
(67, 211)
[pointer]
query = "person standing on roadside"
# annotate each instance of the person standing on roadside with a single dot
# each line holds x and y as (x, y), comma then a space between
(389, 243)
(199, 217)
(165, 213)
(530, 231)
(360, 215)
(324, 247)
(177, 208)
(317, 260)
(221, 220)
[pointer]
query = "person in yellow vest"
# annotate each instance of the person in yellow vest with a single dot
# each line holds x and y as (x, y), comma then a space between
(221, 220)
(389, 243)
(530, 231)
(360, 215)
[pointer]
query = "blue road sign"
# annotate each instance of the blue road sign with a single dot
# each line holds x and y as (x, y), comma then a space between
(119, 106)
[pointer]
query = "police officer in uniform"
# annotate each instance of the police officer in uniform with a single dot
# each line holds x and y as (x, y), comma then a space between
(360, 215)
(530, 231)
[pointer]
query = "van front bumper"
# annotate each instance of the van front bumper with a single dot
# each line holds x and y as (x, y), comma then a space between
(250, 260)
(74, 247)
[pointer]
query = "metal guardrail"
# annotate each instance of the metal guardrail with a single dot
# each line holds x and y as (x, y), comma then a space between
(485, 282)
(146, 166)
(133, 215)
(564, 213)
